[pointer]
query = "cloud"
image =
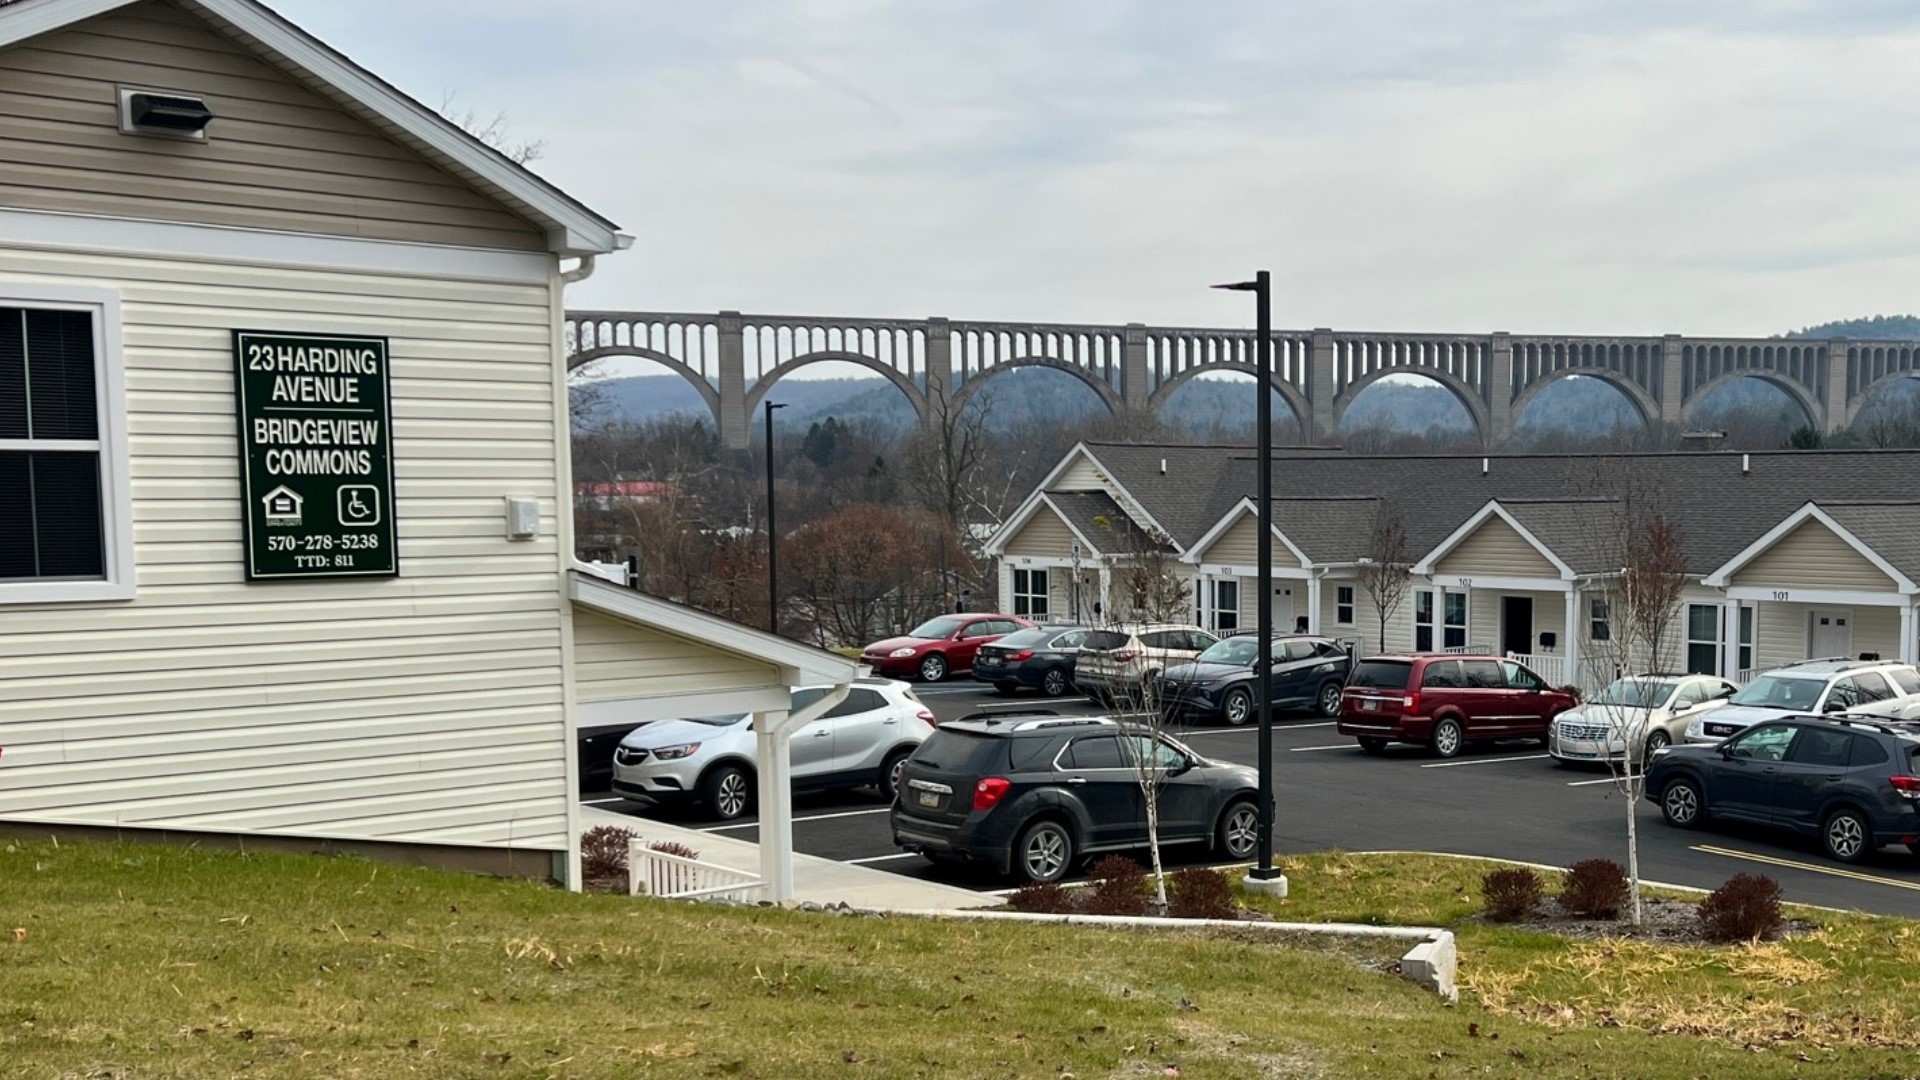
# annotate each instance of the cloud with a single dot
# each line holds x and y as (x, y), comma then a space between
(1582, 167)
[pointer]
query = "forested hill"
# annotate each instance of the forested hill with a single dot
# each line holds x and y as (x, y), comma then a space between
(1871, 328)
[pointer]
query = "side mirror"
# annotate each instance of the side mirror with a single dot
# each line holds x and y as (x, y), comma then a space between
(1834, 707)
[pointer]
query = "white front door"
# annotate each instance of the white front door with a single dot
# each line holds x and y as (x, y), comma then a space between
(1830, 632)
(1283, 616)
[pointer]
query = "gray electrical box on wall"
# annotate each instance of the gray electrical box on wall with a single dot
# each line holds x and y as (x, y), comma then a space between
(523, 518)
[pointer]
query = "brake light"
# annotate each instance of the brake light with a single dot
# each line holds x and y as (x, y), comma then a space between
(987, 793)
(1023, 654)
(1126, 656)
(1411, 703)
(927, 715)
(1907, 786)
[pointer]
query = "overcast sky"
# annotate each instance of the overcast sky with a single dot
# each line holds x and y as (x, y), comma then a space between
(1636, 166)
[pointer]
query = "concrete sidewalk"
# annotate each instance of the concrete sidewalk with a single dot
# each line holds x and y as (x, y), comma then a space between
(816, 880)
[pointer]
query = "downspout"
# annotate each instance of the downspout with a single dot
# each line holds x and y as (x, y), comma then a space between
(581, 271)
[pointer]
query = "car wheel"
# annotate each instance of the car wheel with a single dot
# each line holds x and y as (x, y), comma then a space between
(1447, 738)
(891, 771)
(1239, 830)
(933, 668)
(728, 791)
(1005, 689)
(1682, 804)
(1330, 699)
(1055, 683)
(1657, 739)
(1237, 707)
(1372, 745)
(1044, 853)
(1847, 835)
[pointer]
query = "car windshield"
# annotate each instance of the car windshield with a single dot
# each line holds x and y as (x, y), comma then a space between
(1781, 692)
(1023, 639)
(715, 721)
(1636, 693)
(1384, 674)
(1233, 650)
(942, 627)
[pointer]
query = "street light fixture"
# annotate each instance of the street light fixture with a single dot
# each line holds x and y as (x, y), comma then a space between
(773, 534)
(1264, 877)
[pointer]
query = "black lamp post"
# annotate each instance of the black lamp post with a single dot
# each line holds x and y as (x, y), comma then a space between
(1264, 874)
(773, 533)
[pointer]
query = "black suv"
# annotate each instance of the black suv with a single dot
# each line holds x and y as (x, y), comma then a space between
(1852, 782)
(1303, 672)
(1031, 794)
(1040, 657)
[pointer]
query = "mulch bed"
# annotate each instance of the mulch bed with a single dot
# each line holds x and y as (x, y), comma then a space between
(1672, 922)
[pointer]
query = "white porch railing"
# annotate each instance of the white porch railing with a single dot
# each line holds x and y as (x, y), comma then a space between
(1746, 675)
(1551, 667)
(676, 877)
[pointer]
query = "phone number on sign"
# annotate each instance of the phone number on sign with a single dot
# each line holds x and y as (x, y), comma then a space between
(324, 542)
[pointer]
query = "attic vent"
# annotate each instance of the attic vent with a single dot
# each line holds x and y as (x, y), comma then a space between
(1746, 464)
(163, 113)
(1163, 466)
(1484, 464)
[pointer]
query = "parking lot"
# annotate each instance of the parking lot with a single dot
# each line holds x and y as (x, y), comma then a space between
(1507, 801)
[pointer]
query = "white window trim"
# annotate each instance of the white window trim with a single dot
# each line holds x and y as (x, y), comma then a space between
(116, 495)
(1353, 608)
(1690, 641)
(1217, 609)
(1044, 596)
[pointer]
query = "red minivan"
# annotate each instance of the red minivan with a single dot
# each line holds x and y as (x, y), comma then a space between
(1446, 701)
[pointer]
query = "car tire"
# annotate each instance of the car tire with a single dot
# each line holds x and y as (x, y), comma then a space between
(933, 667)
(1044, 852)
(1448, 738)
(1657, 739)
(1055, 683)
(728, 792)
(1236, 708)
(888, 781)
(1847, 836)
(1005, 689)
(1371, 745)
(1328, 701)
(1683, 804)
(1239, 831)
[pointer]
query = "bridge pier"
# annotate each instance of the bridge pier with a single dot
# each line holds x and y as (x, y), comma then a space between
(1672, 383)
(1500, 391)
(1833, 396)
(1133, 368)
(734, 431)
(1320, 386)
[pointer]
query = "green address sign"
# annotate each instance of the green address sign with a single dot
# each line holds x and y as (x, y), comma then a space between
(316, 457)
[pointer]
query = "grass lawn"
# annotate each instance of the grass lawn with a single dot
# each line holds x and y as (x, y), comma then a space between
(146, 962)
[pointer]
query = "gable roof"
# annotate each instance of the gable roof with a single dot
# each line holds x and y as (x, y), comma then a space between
(1100, 523)
(572, 229)
(799, 663)
(1492, 510)
(1815, 513)
(1243, 508)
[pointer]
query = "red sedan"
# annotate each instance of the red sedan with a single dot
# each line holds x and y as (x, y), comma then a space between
(938, 647)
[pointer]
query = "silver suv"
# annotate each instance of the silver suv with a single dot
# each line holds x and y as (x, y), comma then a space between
(1832, 685)
(861, 742)
(1119, 661)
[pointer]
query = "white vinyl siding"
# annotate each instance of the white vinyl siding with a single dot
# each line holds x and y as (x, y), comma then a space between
(1082, 475)
(1495, 548)
(427, 708)
(1781, 632)
(1812, 557)
(1043, 535)
(615, 660)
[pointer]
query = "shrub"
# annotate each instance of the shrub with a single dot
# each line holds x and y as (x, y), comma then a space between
(673, 847)
(1119, 887)
(1594, 887)
(1201, 892)
(1510, 894)
(1042, 898)
(1746, 908)
(603, 851)
(1571, 691)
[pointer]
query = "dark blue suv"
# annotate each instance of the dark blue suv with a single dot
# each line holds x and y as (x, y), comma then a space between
(1032, 794)
(1851, 782)
(1040, 657)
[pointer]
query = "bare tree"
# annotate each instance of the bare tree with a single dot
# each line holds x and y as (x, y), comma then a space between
(943, 463)
(1386, 572)
(492, 131)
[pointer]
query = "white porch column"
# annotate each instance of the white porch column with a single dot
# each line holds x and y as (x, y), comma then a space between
(1105, 599)
(1730, 639)
(1313, 604)
(1908, 648)
(1570, 640)
(775, 803)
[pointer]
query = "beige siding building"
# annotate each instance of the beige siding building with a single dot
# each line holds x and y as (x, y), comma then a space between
(153, 675)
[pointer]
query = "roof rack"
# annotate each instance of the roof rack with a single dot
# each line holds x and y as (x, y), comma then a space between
(1823, 660)
(992, 713)
(1064, 721)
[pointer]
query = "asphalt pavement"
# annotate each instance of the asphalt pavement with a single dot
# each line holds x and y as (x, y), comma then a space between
(1506, 801)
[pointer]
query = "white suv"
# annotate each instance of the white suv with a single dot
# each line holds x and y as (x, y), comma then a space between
(861, 742)
(1119, 661)
(1810, 686)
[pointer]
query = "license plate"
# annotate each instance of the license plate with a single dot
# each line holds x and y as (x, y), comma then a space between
(1369, 705)
(1581, 753)
(928, 798)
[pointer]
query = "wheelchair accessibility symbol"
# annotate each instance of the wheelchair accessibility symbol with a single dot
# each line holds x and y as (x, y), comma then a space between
(359, 505)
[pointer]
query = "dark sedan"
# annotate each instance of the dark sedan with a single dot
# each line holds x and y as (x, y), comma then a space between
(1304, 673)
(1040, 659)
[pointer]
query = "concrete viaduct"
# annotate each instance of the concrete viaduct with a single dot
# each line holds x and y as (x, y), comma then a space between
(733, 360)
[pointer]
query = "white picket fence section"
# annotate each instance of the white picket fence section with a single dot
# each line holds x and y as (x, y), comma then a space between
(676, 877)
(1552, 668)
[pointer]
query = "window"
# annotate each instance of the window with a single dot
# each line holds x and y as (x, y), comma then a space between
(1299, 650)
(1099, 752)
(1746, 637)
(1423, 620)
(1165, 758)
(1703, 639)
(1818, 746)
(1201, 641)
(1518, 678)
(63, 457)
(1599, 619)
(858, 701)
(1691, 694)
(1873, 687)
(1454, 634)
(1382, 674)
(1905, 679)
(1069, 640)
(1866, 751)
(806, 697)
(1030, 592)
(1343, 605)
(1483, 675)
(1844, 695)
(1443, 675)
(1226, 605)
(1763, 743)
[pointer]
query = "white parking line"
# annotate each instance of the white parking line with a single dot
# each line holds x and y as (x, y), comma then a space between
(798, 820)
(1485, 761)
(1310, 749)
(1590, 783)
(881, 858)
(615, 801)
